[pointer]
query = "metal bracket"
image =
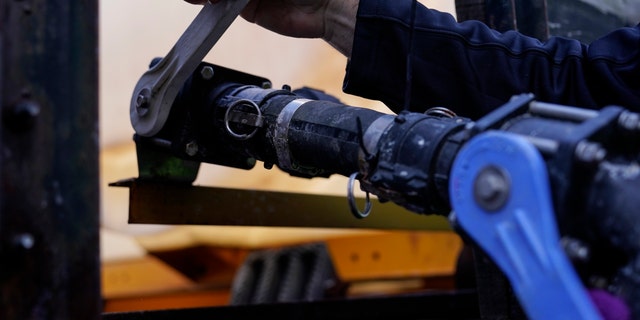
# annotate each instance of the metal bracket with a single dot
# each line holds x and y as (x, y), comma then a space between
(514, 223)
(156, 90)
(153, 202)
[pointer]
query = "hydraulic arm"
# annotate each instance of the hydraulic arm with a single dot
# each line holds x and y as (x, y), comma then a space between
(587, 161)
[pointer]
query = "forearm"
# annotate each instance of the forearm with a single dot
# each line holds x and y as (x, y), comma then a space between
(340, 21)
(472, 69)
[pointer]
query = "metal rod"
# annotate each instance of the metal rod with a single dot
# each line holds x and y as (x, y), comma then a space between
(561, 112)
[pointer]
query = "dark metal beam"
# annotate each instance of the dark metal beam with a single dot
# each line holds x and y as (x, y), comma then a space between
(165, 203)
(432, 305)
(49, 201)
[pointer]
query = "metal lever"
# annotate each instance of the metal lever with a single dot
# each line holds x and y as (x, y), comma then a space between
(515, 223)
(156, 90)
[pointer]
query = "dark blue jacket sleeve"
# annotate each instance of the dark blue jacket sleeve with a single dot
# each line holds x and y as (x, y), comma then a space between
(472, 69)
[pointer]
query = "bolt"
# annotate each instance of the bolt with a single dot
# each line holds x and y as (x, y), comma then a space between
(206, 72)
(629, 121)
(491, 188)
(590, 152)
(266, 85)
(142, 102)
(24, 241)
(191, 148)
(575, 249)
(401, 118)
(24, 114)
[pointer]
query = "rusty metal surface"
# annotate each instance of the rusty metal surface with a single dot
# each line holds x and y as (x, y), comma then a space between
(181, 204)
(49, 200)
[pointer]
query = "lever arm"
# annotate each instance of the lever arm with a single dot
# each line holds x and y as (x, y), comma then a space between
(156, 90)
(501, 198)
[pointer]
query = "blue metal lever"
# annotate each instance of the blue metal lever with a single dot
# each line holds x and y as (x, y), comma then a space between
(500, 196)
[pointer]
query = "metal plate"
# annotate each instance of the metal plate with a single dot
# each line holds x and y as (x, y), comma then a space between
(159, 203)
(434, 305)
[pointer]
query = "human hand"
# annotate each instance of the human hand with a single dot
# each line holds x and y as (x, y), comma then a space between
(331, 20)
(295, 18)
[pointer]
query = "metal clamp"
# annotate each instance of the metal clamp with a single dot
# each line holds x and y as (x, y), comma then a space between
(257, 123)
(156, 90)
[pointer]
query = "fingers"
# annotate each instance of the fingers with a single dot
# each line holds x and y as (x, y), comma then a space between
(249, 12)
(201, 1)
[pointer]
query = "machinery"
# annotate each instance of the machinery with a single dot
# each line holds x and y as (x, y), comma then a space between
(560, 230)
(547, 192)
